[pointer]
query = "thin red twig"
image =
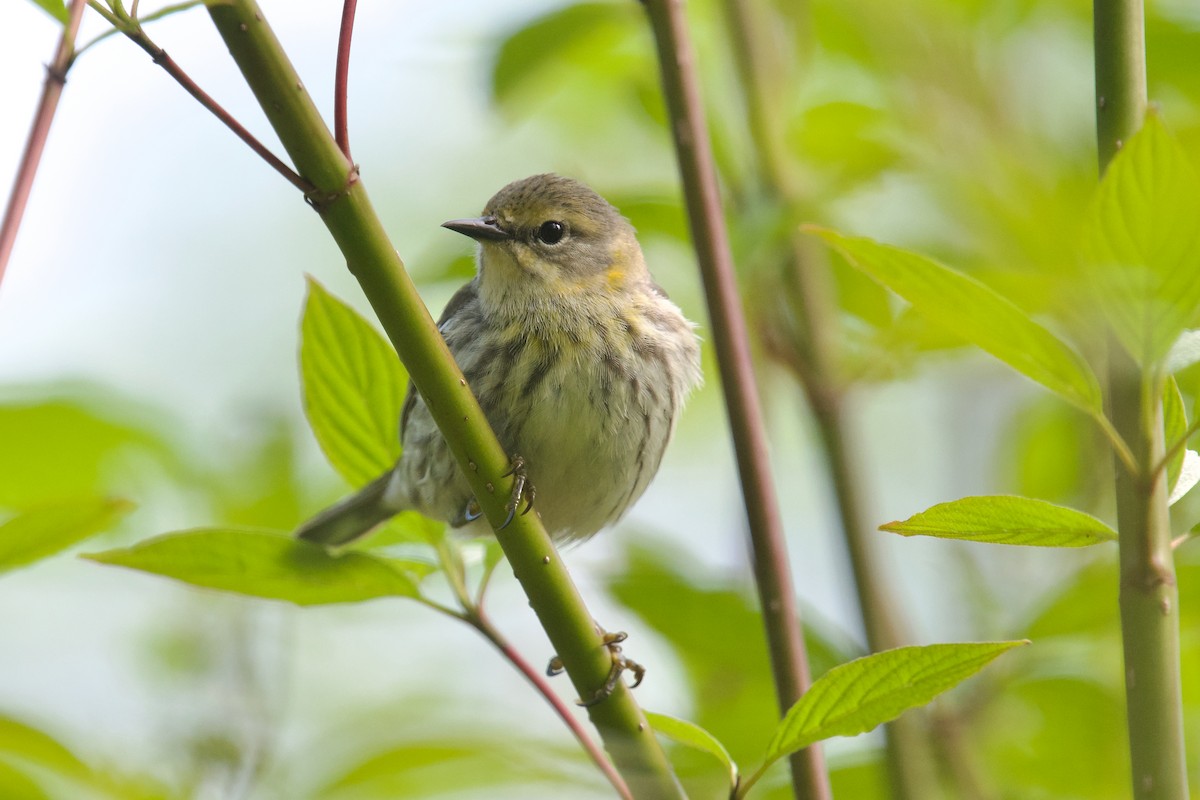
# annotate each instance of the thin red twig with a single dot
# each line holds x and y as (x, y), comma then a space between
(175, 71)
(341, 127)
(132, 29)
(535, 677)
(56, 78)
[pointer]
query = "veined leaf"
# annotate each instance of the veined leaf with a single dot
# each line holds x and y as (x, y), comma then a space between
(692, 735)
(353, 388)
(50, 528)
(263, 564)
(1004, 519)
(1141, 243)
(973, 311)
(857, 696)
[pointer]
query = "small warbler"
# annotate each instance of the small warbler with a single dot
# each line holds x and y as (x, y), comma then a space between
(577, 357)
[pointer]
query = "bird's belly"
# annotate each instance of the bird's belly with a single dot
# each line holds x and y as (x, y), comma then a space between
(591, 440)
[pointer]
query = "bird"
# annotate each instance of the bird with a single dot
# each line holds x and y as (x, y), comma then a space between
(579, 360)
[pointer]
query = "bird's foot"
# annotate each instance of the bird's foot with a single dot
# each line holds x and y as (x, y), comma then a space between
(522, 489)
(620, 663)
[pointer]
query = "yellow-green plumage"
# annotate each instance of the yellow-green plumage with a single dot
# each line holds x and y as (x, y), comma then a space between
(579, 361)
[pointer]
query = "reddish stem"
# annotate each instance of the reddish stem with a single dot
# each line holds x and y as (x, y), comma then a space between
(341, 127)
(481, 623)
(56, 78)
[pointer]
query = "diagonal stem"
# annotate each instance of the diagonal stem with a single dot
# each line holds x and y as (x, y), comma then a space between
(481, 623)
(56, 78)
(344, 207)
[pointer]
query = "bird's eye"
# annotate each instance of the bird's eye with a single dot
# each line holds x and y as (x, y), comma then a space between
(551, 232)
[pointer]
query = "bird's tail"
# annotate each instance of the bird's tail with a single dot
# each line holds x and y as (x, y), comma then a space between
(351, 518)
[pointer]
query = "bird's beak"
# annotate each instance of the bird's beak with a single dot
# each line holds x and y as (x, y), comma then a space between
(479, 228)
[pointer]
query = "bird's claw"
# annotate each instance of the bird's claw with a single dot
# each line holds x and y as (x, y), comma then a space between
(620, 663)
(522, 489)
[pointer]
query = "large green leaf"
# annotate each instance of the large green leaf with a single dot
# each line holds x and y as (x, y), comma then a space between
(560, 37)
(715, 630)
(1141, 243)
(16, 785)
(68, 448)
(1005, 519)
(264, 564)
(44, 531)
(20, 741)
(972, 310)
(692, 735)
(473, 764)
(860, 695)
(353, 387)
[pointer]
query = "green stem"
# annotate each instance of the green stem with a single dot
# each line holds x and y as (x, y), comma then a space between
(677, 63)
(1149, 597)
(341, 200)
(1120, 55)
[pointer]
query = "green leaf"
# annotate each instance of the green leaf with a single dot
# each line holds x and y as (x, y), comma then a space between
(1174, 428)
(55, 8)
(1005, 519)
(50, 528)
(692, 735)
(263, 564)
(16, 785)
(972, 310)
(715, 630)
(20, 741)
(553, 40)
(1141, 243)
(855, 697)
(353, 388)
(68, 448)
(407, 527)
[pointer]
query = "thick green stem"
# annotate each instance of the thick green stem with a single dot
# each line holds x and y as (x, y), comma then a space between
(342, 202)
(677, 63)
(1149, 597)
(1120, 55)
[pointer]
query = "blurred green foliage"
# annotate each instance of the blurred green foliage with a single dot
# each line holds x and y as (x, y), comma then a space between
(961, 128)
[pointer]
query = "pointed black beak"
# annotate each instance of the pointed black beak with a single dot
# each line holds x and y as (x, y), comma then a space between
(478, 228)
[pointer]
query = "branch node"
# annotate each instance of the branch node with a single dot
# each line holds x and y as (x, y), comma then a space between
(55, 74)
(320, 200)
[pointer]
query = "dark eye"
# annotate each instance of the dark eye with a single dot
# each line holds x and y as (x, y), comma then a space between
(551, 232)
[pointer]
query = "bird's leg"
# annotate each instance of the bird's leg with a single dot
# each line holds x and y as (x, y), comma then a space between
(522, 489)
(620, 663)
